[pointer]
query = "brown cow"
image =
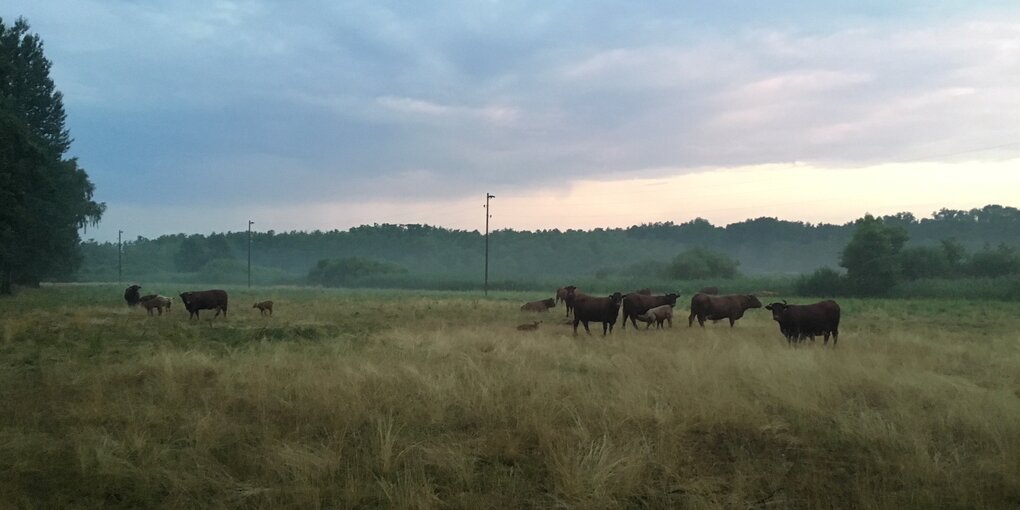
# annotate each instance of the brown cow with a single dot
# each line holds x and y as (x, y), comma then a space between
(596, 309)
(716, 308)
(572, 295)
(712, 291)
(131, 295)
(637, 304)
(561, 294)
(263, 306)
(205, 300)
(798, 322)
(539, 306)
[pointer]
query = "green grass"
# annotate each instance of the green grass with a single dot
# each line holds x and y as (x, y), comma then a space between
(394, 399)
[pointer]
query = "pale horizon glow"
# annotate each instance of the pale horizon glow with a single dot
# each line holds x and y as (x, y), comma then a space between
(794, 192)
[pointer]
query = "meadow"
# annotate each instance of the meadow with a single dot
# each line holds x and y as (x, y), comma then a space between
(402, 399)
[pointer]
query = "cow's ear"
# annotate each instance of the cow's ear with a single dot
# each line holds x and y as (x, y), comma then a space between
(768, 307)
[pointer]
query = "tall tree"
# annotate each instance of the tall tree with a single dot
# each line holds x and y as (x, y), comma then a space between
(46, 197)
(872, 258)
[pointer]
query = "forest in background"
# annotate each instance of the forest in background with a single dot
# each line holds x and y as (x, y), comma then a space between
(769, 251)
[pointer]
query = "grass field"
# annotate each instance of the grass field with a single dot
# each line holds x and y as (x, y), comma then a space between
(434, 400)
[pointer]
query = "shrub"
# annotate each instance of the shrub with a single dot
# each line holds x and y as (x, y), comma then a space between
(1001, 261)
(823, 282)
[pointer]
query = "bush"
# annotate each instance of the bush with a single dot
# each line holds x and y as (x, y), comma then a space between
(823, 282)
(342, 272)
(924, 262)
(872, 258)
(698, 263)
(1002, 261)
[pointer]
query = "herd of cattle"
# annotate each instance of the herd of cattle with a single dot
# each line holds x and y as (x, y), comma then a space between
(193, 301)
(796, 322)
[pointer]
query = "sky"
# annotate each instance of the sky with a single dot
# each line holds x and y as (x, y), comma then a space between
(198, 115)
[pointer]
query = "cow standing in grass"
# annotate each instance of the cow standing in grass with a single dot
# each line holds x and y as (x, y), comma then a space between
(596, 309)
(636, 304)
(704, 306)
(131, 295)
(797, 322)
(205, 300)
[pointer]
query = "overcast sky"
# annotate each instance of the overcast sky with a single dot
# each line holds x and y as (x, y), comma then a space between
(195, 116)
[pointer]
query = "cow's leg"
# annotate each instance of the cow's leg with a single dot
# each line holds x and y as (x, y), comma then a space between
(732, 321)
(586, 330)
(670, 322)
(835, 336)
(690, 319)
(701, 320)
(160, 310)
(606, 327)
(575, 325)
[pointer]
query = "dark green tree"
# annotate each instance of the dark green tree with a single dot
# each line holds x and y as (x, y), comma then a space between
(872, 258)
(698, 263)
(46, 198)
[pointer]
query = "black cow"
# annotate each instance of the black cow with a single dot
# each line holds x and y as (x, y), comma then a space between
(131, 295)
(596, 309)
(798, 322)
(205, 300)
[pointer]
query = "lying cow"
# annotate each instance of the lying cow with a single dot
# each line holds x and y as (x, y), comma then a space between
(156, 302)
(658, 315)
(596, 309)
(205, 300)
(637, 304)
(539, 306)
(529, 327)
(732, 307)
(797, 322)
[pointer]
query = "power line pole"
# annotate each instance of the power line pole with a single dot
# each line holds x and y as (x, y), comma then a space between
(120, 256)
(250, 223)
(487, 216)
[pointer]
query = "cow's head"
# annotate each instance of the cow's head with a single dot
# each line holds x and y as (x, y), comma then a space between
(551, 303)
(777, 309)
(615, 298)
(752, 301)
(671, 298)
(185, 298)
(134, 288)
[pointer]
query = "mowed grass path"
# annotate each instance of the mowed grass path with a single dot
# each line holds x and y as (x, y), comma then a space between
(433, 400)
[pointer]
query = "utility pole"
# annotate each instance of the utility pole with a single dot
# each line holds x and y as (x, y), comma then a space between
(120, 256)
(487, 216)
(250, 223)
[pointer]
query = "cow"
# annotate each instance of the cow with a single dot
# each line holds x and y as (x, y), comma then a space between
(561, 294)
(572, 295)
(797, 322)
(205, 300)
(711, 291)
(131, 295)
(263, 306)
(596, 309)
(529, 327)
(637, 304)
(539, 306)
(658, 315)
(732, 307)
(157, 302)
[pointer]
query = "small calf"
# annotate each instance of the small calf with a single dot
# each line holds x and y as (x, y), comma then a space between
(529, 327)
(658, 315)
(158, 302)
(263, 306)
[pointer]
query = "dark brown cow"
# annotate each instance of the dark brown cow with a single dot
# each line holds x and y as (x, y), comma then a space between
(539, 306)
(561, 294)
(637, 304)
(131, 295)
(716, 308)
(798, 322)
(596, 309)
(572, 295)
(712, 291)
(205, 300)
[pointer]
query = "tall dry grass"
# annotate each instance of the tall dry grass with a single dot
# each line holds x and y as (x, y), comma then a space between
(398, 400)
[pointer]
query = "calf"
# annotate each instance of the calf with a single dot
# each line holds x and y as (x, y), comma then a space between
(658, 315)
(637, 304)
(797, 322)
(205, 300)
(704, 306)
(596, 309)
(529, 327)
(156, 302)
(539, 306)
(264, 306)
